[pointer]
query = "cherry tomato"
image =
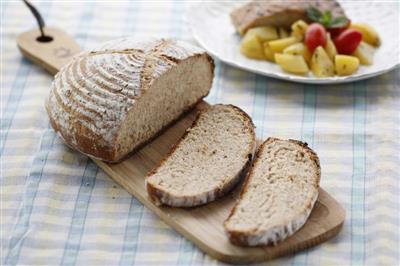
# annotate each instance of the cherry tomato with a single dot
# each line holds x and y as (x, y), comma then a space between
(348, 41)
(315, 36)
(336, 31)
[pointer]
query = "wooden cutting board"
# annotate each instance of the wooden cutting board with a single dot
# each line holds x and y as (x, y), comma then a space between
(202, 225)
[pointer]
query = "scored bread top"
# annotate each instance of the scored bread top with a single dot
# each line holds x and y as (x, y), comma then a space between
(278, 196)
(207, 162)
(92, 94)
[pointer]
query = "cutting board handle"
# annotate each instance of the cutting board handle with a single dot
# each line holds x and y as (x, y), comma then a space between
(51, 52)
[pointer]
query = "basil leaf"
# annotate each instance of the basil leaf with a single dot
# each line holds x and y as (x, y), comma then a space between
(313, 14)
(339, 22)
(326, 18)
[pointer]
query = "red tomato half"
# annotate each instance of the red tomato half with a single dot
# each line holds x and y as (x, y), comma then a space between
(315, 36)
(336, 31)
(348, 41)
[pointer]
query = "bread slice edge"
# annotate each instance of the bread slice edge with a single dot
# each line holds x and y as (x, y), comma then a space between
(276, 234)
(161, 197)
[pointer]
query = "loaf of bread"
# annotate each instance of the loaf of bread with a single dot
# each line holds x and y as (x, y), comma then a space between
(279, 193)
(110, 101)
(207, 162)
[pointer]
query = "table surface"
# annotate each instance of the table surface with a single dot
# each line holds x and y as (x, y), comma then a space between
(58, 207)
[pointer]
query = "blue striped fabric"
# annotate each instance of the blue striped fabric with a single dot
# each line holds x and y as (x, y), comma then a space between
(21, 227)
(57, 207)
(131, 235)
(358, 176)
(72, 245)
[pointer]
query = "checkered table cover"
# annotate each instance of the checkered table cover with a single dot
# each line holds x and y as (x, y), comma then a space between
(58, 207)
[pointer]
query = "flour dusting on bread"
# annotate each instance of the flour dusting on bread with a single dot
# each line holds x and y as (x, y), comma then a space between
(109, 101)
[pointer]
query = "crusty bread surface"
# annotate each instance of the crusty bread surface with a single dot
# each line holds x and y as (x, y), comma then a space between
(279, 193)
(278, 13)
(111, 100)
(208, 161)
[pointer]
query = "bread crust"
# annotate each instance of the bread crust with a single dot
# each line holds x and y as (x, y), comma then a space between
(104, 151)
(287, 228)
(162, 197)
(91, 142)
(278, 13)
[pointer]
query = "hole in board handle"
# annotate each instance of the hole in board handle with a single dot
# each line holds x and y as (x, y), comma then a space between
(44, 38)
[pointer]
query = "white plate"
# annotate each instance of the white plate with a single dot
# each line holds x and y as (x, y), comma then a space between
(212, 28)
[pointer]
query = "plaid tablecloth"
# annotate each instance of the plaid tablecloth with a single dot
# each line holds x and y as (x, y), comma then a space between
(58, 207)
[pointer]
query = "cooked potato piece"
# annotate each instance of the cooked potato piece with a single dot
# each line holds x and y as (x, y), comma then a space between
(252, 42)
(268, 53)
(292, 63)
(346, 65)
(330, 48)
(365, 53)
(298, 49)
(279, 45)
(283, 33)
(299, 29)
(251, 46)
(264, 34)
(321, 64)
(369, 34)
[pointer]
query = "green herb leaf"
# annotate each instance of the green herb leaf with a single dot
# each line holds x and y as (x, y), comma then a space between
(326, 19)
(313, 14)
(339, 22)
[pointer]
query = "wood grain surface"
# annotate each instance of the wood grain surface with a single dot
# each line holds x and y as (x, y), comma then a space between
(202, 225)
(49, 55)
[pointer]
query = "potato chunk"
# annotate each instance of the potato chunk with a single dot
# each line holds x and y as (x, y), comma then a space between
(252, 42)
(279, 45)
(330, 48)
(268, 53)
(292, 63)
(369, 34)
(251, 46)
(365, 53)
(264, 34)
(299, 29)
(298, 49)
(321, 64)
(346, 65)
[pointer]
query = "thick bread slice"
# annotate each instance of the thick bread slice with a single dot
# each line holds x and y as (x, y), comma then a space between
(278, 13)
(207, 162)
(110, 101)
(278, 196)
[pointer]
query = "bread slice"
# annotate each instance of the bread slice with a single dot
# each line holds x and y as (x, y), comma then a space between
(278, 196)
(110, 101)
(207, 162)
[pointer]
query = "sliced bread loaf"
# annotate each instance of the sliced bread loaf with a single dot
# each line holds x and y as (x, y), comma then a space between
(111, 100)
(207, 162)
(279, 193)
